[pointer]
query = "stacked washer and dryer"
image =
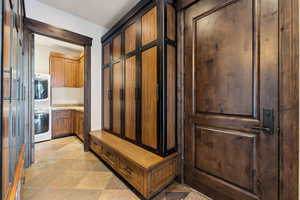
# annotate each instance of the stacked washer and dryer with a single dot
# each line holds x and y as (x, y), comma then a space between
(42, 109)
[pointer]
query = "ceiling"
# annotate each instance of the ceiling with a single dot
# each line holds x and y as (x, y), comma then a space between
(42, 40)
(101, 12)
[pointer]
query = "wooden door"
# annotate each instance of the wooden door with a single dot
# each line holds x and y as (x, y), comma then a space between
(149, 98)
(62, 123)
(57, 72)
(231, 77)
(116, 103)
(130, 98)
(106, 99)
(70, 72)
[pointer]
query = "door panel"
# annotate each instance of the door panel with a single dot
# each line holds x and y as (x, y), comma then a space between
(149, 26)
(70, 72)
(117, 86)
(106, 98)
(116, 48)
(57, 71)
(149, 97)
(231, 69)
(130, 103)
(130, 38)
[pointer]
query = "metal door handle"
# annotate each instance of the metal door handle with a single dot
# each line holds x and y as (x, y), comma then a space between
(260, 128)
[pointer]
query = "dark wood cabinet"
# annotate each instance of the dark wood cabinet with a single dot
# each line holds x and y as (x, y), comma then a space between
(139, 69)
(62, 123)
(78, 118)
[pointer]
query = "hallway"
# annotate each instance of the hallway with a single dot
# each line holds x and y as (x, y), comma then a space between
(63, 171)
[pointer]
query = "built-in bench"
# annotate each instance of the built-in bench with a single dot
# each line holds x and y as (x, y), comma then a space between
(147, 172)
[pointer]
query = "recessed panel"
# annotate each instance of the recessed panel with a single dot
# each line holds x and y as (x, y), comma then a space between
(130, 38)
(227, 155)
(130, 104)
(149, 97)
(117, 85)
(117, 47)
(223, 64)
(149, 26)
(106, 54)
(106, 99)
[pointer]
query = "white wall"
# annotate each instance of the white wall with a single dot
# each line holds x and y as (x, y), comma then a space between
(58, 18)
(41, 60)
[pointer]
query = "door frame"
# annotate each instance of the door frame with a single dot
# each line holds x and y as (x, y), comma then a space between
(288, 95)
(40, 28)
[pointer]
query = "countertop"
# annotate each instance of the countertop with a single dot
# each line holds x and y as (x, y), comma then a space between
(68, 107)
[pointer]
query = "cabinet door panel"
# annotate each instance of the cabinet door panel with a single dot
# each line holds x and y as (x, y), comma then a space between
(62, 123)
(81, 73)
(149, 26)
(149, 97)
(106, 54)
(70, 72)
(130, 103)
(106, 98)
(117, 48)
(57, 72)
(130, 38)
(117, 85)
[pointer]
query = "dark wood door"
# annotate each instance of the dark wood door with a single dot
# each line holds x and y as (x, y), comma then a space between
(231, 70)
(106, 98)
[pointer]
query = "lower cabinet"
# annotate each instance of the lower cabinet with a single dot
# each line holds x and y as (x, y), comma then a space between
(78, 124)
(146, 172)
(67, 122)
(62, 123)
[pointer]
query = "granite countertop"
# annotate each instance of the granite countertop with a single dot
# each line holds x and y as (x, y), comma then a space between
(76, 107)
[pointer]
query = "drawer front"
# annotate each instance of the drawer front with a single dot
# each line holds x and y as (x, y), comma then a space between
(131, 173)
(110, 157)
(96, 148)
(62, 114)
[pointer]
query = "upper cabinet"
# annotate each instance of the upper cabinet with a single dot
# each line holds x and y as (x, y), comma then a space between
(66, 71)
(139, 73)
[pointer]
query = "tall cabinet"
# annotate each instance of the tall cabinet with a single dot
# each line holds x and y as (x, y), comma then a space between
(139, 77)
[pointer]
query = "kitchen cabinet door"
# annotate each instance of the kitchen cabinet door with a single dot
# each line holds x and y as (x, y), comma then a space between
(57, 72)
(70, 72)
(62, 123)
(80, 73)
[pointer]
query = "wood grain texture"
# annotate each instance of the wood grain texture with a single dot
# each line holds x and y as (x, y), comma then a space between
(117, 85)
(70, 69)
(130, 103)
(80, 74)
(106, 54)
(171, 97)
(145, 171)
(57, 71)
(106, 99)
(57, 33)
(130, 38)
(149, 26)
(289, 99)
(60, 55)
(217, 58)
(149, 97)
(62, 123)
(171, 22)
(116, 44)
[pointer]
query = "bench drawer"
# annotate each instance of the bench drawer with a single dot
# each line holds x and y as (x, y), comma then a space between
(110, 157)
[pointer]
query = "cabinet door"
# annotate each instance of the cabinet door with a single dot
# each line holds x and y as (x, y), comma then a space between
(149, 98)
(106, 98)
(130, 103)
(70, 72)
(117, 85)
(57, 72)
(62, 123)
(80, 125)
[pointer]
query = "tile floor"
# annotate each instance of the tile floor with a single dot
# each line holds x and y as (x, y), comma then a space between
(63, 171)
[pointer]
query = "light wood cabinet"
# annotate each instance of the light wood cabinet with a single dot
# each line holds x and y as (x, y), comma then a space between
(139, 74)
(66, 71)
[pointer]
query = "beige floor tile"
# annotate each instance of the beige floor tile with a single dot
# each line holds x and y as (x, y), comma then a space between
(66, 180)
(196, 196)
(95, 180)
(118, 195)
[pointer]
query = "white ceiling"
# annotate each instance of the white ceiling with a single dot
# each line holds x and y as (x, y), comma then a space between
(101, 12)
(42, 40)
